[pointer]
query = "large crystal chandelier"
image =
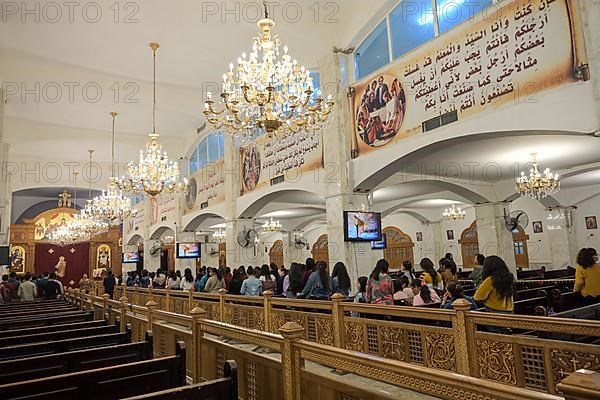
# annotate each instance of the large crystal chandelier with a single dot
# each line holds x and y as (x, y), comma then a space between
(271, 226)
(63, 234)
(454, 213)
(154, 173)
(86, 224)
(267, 92)
(112, 205)
(537, 185)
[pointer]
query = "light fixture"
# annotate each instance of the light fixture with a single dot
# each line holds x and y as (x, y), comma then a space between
(454, 213)
(220, 235)
(271, 226)
(267, 92)
(112, 205)
(63, 234)
(154, 173)
(537, 185)
(86, 224)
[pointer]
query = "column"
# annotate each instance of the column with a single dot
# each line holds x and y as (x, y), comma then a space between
(494, 238)
(236, 254)
(339, 194)
(5, 192)
(563, 242)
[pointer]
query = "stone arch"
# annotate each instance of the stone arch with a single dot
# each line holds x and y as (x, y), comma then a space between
(299, 195)
(320, 249)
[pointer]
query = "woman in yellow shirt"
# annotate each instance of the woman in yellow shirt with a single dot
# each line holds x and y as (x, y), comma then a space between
(587, 276)
(497, 287)
(430, 276)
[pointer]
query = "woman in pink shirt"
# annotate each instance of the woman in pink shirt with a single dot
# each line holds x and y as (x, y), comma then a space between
(424, 294)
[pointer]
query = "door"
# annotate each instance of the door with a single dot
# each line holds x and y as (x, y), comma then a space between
(276, 253)
(399, 247)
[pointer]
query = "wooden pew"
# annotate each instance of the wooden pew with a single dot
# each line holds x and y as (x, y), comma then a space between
(53, 328)
(527, 307)
(563, 301)
(59, 335)
(116, 382)
(46, 320)
(82, 360)
(34, 303)
(32, 312)
(225, 388)
(62, 346)
(531, 293)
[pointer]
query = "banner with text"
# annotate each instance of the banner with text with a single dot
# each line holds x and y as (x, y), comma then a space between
(136, 224)
(163, 208)
(207, 187)
(269, 161)
(506, 54)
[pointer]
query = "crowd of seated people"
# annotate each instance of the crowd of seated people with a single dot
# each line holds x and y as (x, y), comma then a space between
(28, 288)
(494, 286)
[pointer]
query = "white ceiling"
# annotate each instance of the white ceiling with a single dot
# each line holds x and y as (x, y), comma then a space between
(196, 48)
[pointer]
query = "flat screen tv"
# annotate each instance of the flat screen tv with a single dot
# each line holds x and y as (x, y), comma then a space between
(4, 255)
(379, 244)
(188, 250)
(131, 257)
(362, 226)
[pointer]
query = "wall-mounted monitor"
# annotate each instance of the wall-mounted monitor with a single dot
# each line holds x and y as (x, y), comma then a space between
(379, 244)
(362, 226)
(188, 250)
(131, 257)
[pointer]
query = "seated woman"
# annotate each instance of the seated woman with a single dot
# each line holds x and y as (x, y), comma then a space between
(430, 276)
(454, 291)
(587, 276)
(497, 288)
(424, 294)
(402, 292)
(340, 279)
(448, 271)
(318, 286)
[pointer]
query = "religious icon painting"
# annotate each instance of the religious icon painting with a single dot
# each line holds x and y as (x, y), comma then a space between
(380, 112)
(591, 222)
(17, 259)
(103, 257)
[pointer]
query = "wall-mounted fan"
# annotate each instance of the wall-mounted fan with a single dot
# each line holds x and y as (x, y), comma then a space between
(516, 219)
(213, 252)
(247, 237)
(300, 243)
(155, 250)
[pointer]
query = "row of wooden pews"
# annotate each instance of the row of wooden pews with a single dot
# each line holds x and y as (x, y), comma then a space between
(52, 350)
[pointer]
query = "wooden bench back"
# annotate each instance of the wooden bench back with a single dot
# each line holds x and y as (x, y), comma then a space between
(62, 346)
(225, 388)
(74, 361)
(46, 320)
(53, 328)
(109, 383)
(60, 335)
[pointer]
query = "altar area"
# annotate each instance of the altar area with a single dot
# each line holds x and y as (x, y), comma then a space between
(32, 251)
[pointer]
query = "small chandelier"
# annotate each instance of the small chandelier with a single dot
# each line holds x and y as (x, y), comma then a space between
(271, 226)
(112, 205)
(64, 233)
(266, 93)
(154, 173)
(454, 213)
(537, 185)
(220, 235)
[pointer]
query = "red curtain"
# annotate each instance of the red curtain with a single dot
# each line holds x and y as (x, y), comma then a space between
(76, 256)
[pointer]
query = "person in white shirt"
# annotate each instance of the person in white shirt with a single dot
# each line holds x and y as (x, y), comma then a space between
(188, 281)
(27, 290)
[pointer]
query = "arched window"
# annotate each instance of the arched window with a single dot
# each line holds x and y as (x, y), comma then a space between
(320, 251)
(276, 253)
(399, 247)
(469, 243)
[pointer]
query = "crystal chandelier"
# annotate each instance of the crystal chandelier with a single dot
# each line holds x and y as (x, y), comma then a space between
(63, 234)
(267, 93)
(271, 226)
(86, 224)
(454, 213)
(220, 235)
(154, 173)
(537, 185)
(112, 205)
